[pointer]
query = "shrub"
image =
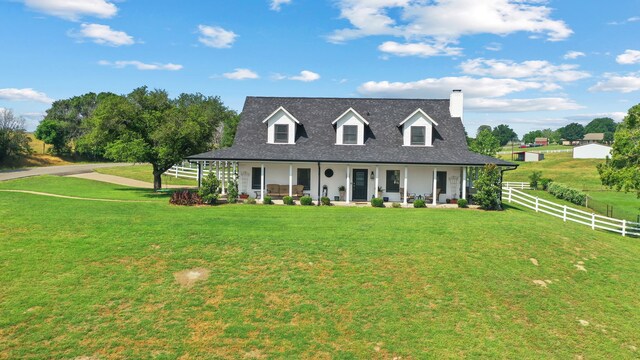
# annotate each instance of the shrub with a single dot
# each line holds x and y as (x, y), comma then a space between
(185, 197)
(395, 205)
(288, 200)
(210, 188)
(232, 191)
(267, 200)
(325, 201)
(306, 200)
(377, 202)
(535, 178)
(419, 203)
(250, 201)
(488, 188)
(544, 182)
(462, 203)
(564, 192)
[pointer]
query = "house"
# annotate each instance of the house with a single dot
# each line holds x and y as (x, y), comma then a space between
(541, 141)
(406, 147)
(592, 138)
(528, 156)
(592, 151)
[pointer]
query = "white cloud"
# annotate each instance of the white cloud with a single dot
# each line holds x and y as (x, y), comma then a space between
(521, 105)
(241, 74)
(103, 35)
(629, 57)
(617, 83)
(305, 76)
(26, 94)
(532, 69)
(216, 37)
(277, 4)
(140, 65)
(446, 21)
(494, 46)
(629, 20)
(419, 49)
(73, 9)
(615, 115)
(571, 55)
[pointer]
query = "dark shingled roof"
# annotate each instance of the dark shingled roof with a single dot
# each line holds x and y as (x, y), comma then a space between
(316, 136)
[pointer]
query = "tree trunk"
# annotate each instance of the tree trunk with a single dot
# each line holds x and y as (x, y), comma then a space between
(157, 178)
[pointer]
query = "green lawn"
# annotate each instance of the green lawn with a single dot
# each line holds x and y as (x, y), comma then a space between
(550, 147)
(83, 278)
(144, 173)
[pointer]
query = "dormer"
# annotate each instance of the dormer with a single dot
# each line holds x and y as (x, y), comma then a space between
(417, 129)
(350, 128)
(281, 127)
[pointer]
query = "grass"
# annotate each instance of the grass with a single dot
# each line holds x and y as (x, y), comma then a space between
(534, 149)
(84, 278)
(144, 172)
(583, 175)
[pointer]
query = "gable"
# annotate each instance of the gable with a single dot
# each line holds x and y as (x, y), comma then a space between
(418, 118)
(281, 117)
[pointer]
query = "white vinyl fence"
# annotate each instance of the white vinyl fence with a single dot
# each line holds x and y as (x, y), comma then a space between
(516, 185)
(567, 213)
(537, 151)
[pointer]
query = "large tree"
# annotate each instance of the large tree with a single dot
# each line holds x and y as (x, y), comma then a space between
(602, 125)
(13, 138)
(504, 134)
(530, 137)
(572, 132)
(148, 126)
(482, 127)
(622, 171)
(485, 143)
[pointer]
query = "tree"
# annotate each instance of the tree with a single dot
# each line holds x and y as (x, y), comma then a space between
(482, 127)
(13, 137)
(572, 132)
(504, 134)
(148, 126)
(602, 125)
(53, 133)
(552, 135)
(229, 131)
(488, 188)
(530, 137)
(485, 143)
(622, 171)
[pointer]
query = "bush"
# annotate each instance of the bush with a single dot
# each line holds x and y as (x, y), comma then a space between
(419, 203)
(267, 200)
(377, 202)
(250, 201)
(325, 201)
(395, 205)
(488, 188)
(564, 192)
(545, 183)
(534, 178)
(210, 188)
(185, 197)
(306, 200)
(288, 200)
(232, 191)
(462, 203)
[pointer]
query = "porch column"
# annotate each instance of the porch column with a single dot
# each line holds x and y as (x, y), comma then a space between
(262, 181)
(199, 174)
(464, 182)
(377, 182)
(218, 169)
(224, 175)
(348, 187)
(406, 175)
(435, 186)
(290, 180)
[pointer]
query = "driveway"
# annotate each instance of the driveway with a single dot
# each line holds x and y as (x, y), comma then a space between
(55, 170)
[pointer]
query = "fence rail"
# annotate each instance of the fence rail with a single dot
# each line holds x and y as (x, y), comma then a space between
(516, 184)
(532, 149)
(188, 170)
(567, 213)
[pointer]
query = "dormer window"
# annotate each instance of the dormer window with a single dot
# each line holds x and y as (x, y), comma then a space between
(281, 127)
(281, 133)
(350, 128)
(417, 129)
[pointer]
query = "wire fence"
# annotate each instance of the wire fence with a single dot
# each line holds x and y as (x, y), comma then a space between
(611, 210)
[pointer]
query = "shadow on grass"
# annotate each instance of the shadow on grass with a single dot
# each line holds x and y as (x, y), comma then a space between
(508, 207)
(150, 193)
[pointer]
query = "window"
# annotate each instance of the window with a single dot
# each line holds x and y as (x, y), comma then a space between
(441, 179)
(393, 181)
(255, 177)
(417, 135)
(281, 134)
(350, 134)
(304, 178)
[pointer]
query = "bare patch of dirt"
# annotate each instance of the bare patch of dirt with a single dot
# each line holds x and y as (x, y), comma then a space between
(542, 283)
(583, 322)
(580, 266)
(86, 358)
(534, 261)
(254, 354)
(187, 278)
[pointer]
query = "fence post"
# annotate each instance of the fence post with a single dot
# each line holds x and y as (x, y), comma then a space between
(564, 213)
(624, 227)
(509, 195)
(176, 167)
(536, 204)
(593, 221)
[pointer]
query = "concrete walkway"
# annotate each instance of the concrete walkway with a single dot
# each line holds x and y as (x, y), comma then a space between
(55, 170)
(119, 180)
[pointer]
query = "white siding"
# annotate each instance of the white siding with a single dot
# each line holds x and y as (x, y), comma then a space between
(349, 119)
(591, 151)
(280, 118)
(417, 120)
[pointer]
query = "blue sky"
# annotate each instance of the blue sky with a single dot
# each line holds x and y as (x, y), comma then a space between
(529, 64)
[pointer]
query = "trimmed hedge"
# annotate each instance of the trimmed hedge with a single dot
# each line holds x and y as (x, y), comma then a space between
(419, 204)
(564, 192)
(267, 200)
(325, 201)
(306, 200)
(288, 200)
(377, 202)
(462, 203)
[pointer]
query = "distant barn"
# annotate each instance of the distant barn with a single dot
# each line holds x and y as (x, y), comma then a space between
(591, 151)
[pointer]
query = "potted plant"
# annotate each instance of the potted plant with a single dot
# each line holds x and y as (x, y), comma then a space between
(380, 190)
(341, 191)
(243, 195)
(454, 201)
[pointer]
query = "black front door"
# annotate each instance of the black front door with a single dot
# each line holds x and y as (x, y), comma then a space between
(360, 184)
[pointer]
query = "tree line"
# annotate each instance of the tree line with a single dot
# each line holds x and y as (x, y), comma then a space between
(574, 131)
